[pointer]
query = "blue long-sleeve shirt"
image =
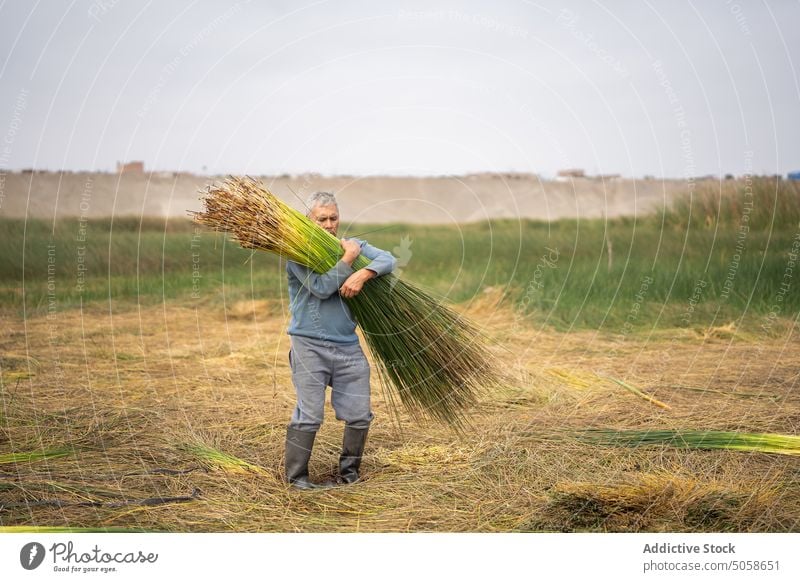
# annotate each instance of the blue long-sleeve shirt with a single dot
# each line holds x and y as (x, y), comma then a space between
(318, 311)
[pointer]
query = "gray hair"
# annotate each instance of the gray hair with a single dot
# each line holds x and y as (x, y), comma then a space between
(321, 199)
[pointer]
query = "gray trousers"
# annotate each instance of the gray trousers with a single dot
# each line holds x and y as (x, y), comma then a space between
(317, 364)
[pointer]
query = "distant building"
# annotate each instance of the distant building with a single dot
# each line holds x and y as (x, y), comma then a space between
(793, 175)
(571, 173)
(130, 167)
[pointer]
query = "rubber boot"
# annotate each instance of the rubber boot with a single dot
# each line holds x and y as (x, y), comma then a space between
(298, 452)
(352, 451)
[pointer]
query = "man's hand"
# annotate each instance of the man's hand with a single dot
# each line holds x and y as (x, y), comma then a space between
(351, 251)
(355, 282)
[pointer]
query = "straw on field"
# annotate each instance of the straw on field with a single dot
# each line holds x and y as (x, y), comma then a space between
(216, 459)
(66, 529)
(696, 439)
(32, 456)
(571, 378)
(434, 359)
(639, 393)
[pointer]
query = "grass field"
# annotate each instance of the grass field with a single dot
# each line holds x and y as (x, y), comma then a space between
(155, 397)
(707, 263)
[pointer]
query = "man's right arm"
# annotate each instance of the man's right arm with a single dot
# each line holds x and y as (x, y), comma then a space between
(321, 285)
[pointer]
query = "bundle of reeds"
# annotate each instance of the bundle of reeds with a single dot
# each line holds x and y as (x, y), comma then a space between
(433, 358)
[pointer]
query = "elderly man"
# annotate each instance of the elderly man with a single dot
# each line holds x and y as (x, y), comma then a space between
(325, 350)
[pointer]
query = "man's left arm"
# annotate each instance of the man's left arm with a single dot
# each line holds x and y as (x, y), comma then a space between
(382, 263)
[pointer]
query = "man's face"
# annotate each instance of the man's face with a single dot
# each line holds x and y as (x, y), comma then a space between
(327, 217)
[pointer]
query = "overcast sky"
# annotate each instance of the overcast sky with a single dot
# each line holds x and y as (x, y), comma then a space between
(669, 88)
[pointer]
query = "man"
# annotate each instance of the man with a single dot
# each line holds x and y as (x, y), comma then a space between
(325, 350)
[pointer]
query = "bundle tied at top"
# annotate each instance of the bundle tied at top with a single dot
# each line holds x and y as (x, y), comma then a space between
(433, 358)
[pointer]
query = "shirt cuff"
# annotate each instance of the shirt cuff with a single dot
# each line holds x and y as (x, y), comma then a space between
(343, 269)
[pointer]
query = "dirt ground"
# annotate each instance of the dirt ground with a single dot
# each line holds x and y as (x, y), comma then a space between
(135, 394)
(368, 199)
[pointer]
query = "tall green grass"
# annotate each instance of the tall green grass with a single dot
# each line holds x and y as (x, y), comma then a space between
(762, 203)
(126, 259)
(689, 266)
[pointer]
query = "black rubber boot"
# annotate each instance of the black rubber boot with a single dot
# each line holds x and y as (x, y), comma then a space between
(352, 451)
(298, 452)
